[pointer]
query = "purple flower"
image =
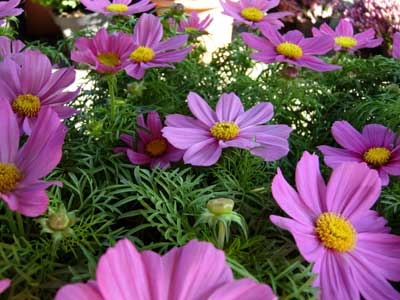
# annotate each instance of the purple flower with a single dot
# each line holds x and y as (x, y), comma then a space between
(106, 53)
(8, 9)
(254, 13)
(21, 170)
(193, 23)
(375, 145)
(9, 47)
(152, 148)
(396, 45)
(4, 284)
(344, 39)
(149, 51)
(118, 7)
(27, 82)
(195, 271)
(204, 138)
(292, 48)
(334, 228)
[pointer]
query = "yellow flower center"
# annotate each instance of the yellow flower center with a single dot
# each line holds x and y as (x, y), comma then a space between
(346, 41)
(157, 147)
(335, 232)
(142, 54)
(9, 177)
(377, 156)
(26, 105)
(225, 130)
(110, 59)
(117, 8)
(252, 14)
(289, 50)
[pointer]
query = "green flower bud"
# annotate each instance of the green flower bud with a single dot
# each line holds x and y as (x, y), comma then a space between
(220, 206)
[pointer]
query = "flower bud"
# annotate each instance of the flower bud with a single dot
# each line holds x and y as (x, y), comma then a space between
(220, 206)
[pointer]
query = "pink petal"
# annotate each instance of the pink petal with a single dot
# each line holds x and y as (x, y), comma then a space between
(172, 56)
(148, 31)
(4, 284)
(316, 64)
(154, 123)
(272, 34)
(172, 43)
(396, 45)
(378, 135)
(258, 114)
(137, 158)
(201, 110)
(79, 291)
(229, 107)
(293, 36)
(257, 43)
(344, 28)
(371, 222)
(317, 45)
(352, 190)
(349, 138)
(135, 70)
(271, 147)
(30, 203)
(205, 153)
(181, 121)
(334, 157)
(9, 133)
(393, 166)
(127, 139)
(239, 142)
(184, 138)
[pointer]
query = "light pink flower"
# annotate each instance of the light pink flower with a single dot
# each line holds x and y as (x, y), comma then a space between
(9, 47)
(193, 24)
(4, 284)
(254, 13)
(205, 137)
(152, 147)
(149, 51)
(21, 169)
(28, 84)
(344, 39)
(196, 271)
(375, 145)
(396, 45)
(118, 7)
(8, 9)
(334, 228)
(105, 53)
(292, 48)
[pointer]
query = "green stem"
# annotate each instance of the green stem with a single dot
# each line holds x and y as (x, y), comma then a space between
(11, 221)
(112, 80)
(221, 235)
(20, 224)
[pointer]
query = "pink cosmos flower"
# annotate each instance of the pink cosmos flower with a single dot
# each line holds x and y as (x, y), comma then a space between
(196, 271)
(27, 82)
(4, 284)
(9, 47)
(333, 226)
(254, 13)
(152, 148)
(8, 9)
(106, 53)
(22, 169)
(205, 137)
(396, 45)
(291, 47)
(118, 7)
(344, 39)
(375, 145)
(193, 23)
(149, 51)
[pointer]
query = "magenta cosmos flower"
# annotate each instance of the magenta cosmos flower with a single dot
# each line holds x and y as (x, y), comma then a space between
(105, 53)
(344, 39)
(4, 284)
(292, 48)
(334, 228)
(193, 24)
(196, 271)
(21, 170)
(375, 145)
(118, 7)
(149, 51)
(204, 138)
(152, 147)
(27, 82)
(396, 45)
(9, 47)
(8, 9)
(254, 13)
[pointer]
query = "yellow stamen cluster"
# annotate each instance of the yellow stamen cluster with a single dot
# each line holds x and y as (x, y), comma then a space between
(335, 232)
(225, 130)
(252, 14)
(346, 41)
(289, 50)
(9, 177)
(377, 156)
(142, 54)
(110, 59)
(119, 8)
(26, 105)
(157, 147)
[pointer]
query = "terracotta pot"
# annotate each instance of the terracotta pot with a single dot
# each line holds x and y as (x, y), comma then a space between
(39, 21)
